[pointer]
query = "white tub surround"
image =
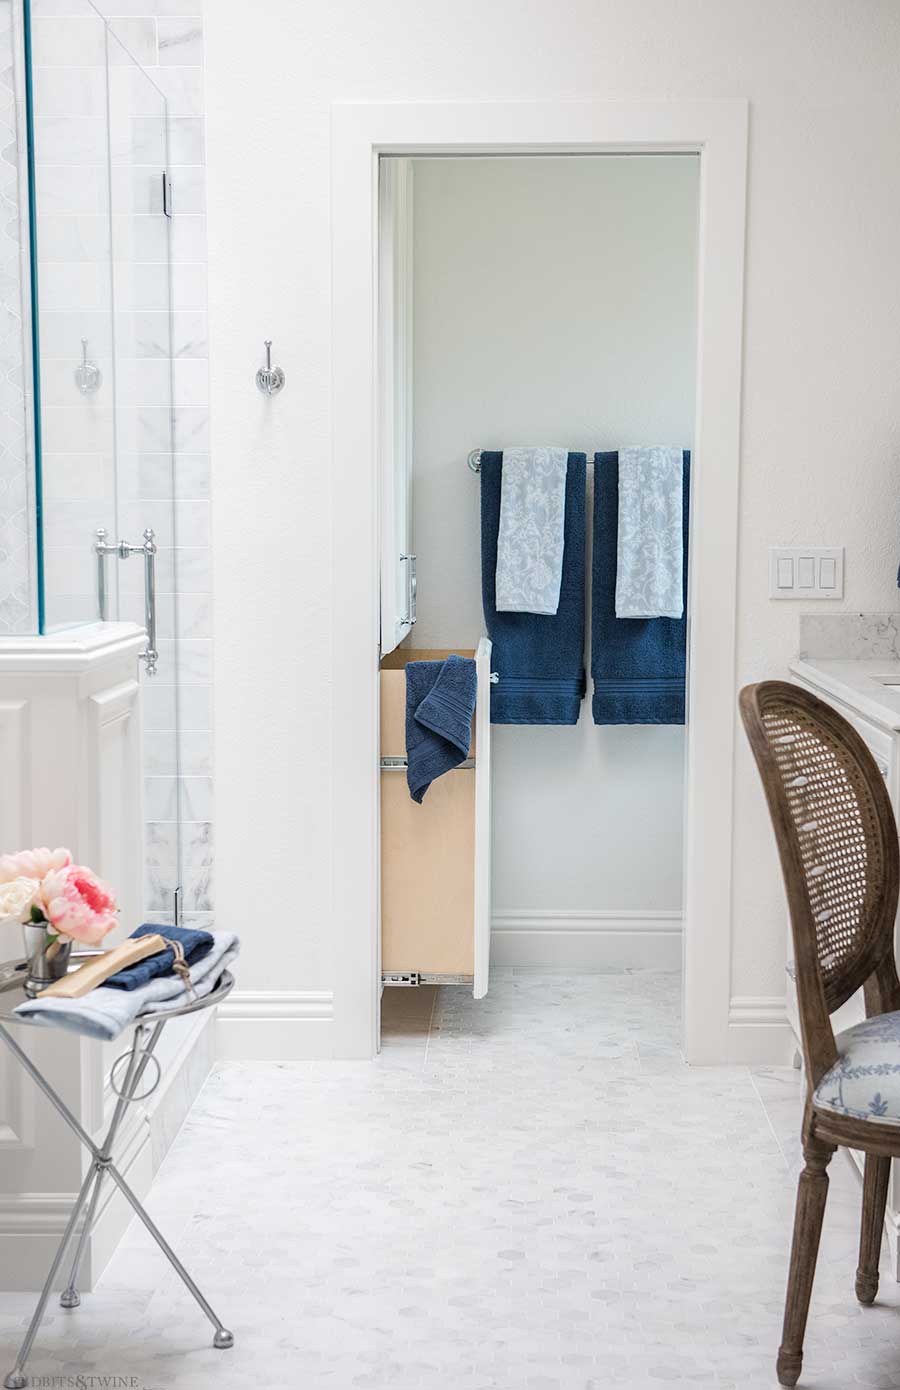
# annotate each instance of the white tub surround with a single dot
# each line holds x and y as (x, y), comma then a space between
(852, 661)
(70, 750)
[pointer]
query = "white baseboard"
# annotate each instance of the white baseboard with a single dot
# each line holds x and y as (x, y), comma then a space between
(587, 940)
(276, 1026)
(759, 1031)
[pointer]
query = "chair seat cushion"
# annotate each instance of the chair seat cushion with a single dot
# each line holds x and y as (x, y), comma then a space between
(864, 1082)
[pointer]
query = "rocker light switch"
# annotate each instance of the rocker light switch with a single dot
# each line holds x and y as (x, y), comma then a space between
(806, 571)
(827, 573)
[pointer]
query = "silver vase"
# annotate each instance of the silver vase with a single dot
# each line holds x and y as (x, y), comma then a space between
(47, 957)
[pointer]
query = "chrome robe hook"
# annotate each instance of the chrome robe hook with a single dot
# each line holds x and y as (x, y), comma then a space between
(269, 379)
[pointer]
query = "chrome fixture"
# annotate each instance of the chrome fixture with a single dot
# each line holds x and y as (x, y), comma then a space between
(474, 459)
(412, 588)
(269, 379)
(88, 376)
(124, 550)
(388, 764)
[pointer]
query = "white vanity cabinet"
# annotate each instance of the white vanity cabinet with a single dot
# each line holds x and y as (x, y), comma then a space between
(70, 749)
(862, 692)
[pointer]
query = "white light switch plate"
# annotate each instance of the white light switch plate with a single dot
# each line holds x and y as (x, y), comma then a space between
(806, 571)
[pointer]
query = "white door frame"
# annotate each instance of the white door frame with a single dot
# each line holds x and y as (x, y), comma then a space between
(717, 131)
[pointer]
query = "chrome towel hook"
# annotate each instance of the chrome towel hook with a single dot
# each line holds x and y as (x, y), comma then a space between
(88, 377)
(269, 379)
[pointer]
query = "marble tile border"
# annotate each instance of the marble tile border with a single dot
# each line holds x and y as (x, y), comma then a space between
(849, 636)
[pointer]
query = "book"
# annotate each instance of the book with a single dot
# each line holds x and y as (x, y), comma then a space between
(99, 968)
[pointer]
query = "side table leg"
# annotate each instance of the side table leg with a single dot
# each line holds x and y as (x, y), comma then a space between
(223, 1339)
(70, 1297)
(16, 1378)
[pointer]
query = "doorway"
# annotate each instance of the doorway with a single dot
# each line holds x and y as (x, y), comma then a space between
(717, 134)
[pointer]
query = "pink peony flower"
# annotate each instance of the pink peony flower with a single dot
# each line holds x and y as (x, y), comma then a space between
(32, 863)
(78, 904)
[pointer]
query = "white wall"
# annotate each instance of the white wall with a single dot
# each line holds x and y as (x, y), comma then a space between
(821, 428)
(554, 303)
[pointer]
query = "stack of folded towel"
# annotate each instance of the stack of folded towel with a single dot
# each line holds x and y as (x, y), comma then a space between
(149, 988)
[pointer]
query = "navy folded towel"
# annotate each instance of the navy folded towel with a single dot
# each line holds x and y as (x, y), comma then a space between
(638, 664)
(195, 944)
(440, 702)
(539, 658)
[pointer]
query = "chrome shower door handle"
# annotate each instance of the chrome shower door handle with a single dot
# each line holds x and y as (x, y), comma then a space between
(124, 550)
(150, 654)
(412, 585)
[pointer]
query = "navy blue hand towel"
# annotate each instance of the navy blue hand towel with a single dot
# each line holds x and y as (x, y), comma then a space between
(440, 702)
(195, 944)
(539, 658)
(637, 664)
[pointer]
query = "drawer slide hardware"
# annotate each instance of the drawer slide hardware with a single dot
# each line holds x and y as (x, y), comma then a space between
(401, 764)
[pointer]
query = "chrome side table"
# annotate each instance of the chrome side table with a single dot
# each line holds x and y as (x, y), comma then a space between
(126, 1077)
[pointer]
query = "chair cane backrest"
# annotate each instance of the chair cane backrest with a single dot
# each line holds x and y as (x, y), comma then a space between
(837, 840)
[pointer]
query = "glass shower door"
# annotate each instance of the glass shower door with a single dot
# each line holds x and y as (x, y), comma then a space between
(141, 227)
(101, 230)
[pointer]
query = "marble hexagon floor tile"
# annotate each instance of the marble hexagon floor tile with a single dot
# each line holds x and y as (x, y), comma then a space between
(532, 1192)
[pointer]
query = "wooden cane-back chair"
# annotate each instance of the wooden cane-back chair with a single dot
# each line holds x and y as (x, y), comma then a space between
(837, 840)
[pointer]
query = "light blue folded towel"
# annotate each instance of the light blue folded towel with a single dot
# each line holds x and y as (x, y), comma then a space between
(531, 538)
(105, 1013)
(650, 549)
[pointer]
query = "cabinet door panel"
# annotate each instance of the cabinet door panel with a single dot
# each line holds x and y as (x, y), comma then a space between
(483, 820)
(395, 328)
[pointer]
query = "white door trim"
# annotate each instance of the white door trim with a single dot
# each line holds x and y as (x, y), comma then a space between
(717, 131)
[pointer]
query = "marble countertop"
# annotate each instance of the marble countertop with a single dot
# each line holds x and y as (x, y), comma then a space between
(859, 683)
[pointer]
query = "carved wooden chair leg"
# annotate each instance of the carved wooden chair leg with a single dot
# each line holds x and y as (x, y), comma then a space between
(812, 1190)
(875, 1187)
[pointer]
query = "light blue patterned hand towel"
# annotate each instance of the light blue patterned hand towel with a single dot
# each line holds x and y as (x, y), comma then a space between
(650, 549)
(531, 538)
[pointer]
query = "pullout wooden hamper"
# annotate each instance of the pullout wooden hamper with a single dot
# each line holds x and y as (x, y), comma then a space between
(435, 857)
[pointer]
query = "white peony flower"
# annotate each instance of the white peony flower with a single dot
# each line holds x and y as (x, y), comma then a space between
(16, 898)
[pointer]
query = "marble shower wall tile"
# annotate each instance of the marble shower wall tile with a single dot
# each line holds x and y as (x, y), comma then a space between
(850, 636)
(153, 469)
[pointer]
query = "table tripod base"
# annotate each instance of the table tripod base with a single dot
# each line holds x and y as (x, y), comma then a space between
(89, 1197)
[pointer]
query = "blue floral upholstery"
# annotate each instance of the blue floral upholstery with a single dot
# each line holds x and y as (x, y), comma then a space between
(864, 1083)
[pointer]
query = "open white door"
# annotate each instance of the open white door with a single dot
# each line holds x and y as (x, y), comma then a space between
(482, 924)
(395, 416)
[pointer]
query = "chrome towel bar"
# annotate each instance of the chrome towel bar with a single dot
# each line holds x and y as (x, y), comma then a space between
(474, 458)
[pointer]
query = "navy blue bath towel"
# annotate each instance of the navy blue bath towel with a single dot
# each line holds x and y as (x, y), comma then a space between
(637, 664)
(539, 658)
(440, 702)
(195, 944)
